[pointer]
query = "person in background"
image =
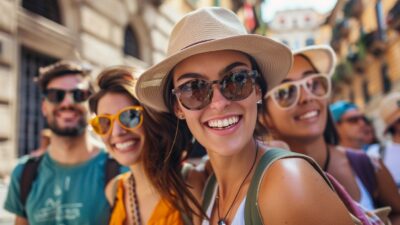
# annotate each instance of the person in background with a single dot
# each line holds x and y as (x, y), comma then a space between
(301, 100)
(389, 151)
(153, 192)
(213, 80)
(70, 176)
(351, 124)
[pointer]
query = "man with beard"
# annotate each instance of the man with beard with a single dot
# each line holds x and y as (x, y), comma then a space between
(68, 186)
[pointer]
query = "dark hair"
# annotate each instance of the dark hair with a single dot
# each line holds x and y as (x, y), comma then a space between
(62, 68)
(331, 135)
(163, 152)
(260, 130)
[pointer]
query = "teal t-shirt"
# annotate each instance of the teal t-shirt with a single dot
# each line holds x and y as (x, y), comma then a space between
(62, 195)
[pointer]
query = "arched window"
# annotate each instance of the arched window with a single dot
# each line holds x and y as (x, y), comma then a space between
(46, 8)
(131, 45)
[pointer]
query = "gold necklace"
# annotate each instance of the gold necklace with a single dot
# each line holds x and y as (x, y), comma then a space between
(133, 200)
(222, 220)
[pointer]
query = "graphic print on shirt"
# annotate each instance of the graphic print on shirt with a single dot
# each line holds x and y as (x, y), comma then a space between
(56, 210)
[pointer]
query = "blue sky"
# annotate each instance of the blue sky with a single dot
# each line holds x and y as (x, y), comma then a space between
(271, 6)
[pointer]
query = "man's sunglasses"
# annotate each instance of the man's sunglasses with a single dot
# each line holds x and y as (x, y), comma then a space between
(354, 119)
(56, 96)
(129, 118)
(287, 94)
(197, 93)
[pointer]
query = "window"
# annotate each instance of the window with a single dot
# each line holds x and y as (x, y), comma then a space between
(351, 96)
(46, 8)
(31, 121)
(386, 82)
(310, 41)
(131, 45)
(365, 91)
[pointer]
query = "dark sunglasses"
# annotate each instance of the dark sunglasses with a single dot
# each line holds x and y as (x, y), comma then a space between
(235, 86)
(287, 94)
(354, 119)
(56, 96)
(128, 118)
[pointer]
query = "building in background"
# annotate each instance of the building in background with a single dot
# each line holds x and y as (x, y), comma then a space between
(366, 38)
(298, 28)
(34, 33)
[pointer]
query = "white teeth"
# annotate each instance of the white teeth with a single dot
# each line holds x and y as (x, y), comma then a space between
(124, 145)
(309, 115)
(224, 122)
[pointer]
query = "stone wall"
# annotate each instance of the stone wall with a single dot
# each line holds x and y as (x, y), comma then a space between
(92, 30)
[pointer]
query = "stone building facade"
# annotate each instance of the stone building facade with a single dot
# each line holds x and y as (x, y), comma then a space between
(366, 38)
(101, 32)
(298, 28)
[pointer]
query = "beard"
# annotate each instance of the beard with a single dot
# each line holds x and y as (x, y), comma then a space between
(74, 131)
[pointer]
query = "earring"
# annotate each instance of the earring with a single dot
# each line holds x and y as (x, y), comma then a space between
(181, 117)
(259, 102)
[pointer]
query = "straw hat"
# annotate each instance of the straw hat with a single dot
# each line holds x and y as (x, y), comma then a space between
(206, 30)
(321, 56)
(390, 110)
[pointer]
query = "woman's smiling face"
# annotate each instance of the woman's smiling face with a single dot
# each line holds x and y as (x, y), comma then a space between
(222, 126)
(307, 118)
(125, 146)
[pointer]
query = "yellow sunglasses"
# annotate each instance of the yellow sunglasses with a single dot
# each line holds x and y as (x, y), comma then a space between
(129, 118)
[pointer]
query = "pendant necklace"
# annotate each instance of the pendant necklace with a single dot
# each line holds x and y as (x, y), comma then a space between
(133, 200)
(222, 220)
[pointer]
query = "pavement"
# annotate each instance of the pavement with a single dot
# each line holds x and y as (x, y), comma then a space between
(5, 217)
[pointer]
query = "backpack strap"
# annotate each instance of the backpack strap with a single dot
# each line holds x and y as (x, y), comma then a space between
(251, 210)
(208, 191)
(112, 169)
(29, 174)
(363, 167)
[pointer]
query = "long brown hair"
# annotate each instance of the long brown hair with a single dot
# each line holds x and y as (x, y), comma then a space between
(166, 145)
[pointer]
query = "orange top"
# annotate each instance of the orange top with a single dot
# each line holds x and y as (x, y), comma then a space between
(163, 213)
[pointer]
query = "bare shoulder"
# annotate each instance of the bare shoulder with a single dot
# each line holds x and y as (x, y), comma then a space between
(111, 189)
(293, 192)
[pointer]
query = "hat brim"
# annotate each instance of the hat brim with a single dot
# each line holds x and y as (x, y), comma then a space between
(274, 60)
(322, 57)
(391, 121)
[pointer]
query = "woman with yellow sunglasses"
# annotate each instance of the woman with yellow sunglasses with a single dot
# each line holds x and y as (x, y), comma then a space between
(153, 191)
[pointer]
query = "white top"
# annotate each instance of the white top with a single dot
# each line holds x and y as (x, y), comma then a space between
(239, 216)
(391, 158)
(365, 199)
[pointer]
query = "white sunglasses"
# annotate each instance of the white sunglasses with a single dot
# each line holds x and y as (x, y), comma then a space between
(287, 94)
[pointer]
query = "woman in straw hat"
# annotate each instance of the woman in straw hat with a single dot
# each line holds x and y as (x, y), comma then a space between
(153, 191)
(302, 101)
(213, 80)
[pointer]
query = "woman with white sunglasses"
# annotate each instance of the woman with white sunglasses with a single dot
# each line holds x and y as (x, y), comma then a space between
(297, 112)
